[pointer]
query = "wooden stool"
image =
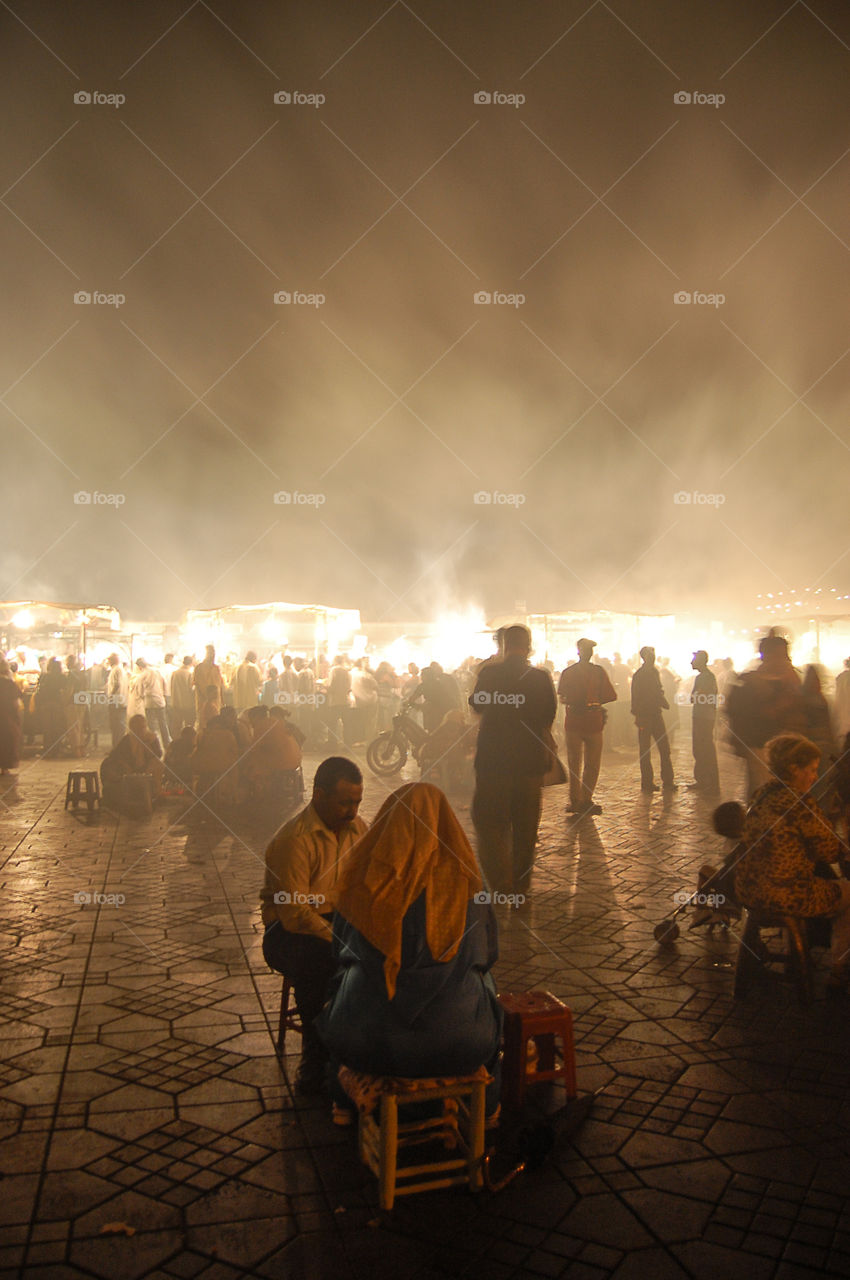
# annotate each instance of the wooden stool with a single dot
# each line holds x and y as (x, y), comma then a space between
(459, 1127)
(91, 792)
(541, 1017)
(754, 956)
(290, 1019)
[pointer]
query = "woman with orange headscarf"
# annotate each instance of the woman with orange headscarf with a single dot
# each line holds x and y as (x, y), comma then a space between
(415, 937)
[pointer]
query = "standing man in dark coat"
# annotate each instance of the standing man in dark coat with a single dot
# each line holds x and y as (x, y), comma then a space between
(583, 688)
(704, 702)
(517, 704)
(648, 702)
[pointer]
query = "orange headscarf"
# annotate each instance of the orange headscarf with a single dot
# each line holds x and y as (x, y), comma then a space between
(415, 843)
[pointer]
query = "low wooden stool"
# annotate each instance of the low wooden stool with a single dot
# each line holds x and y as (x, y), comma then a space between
(382, 1135)
(754, 956)
(75, 792)
(541, 1017)
(290, 1019)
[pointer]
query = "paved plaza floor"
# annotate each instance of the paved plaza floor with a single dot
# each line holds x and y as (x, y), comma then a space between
(139, 1086)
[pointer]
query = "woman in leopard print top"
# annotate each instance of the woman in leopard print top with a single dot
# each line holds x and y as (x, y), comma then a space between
(786, 834)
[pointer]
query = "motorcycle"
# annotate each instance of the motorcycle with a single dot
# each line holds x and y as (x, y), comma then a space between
(387, 754)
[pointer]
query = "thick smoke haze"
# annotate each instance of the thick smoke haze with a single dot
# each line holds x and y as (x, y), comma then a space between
(582, 400)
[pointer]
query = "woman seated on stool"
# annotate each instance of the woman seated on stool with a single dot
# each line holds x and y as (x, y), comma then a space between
(413, 995)
(786, 835)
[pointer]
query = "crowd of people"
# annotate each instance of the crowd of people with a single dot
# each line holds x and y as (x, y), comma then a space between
(388, 934)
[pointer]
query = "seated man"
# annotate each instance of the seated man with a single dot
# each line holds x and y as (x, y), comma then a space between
(215, 764)
(274, 753)
(139, 751)
(178, 769)
(299, 896)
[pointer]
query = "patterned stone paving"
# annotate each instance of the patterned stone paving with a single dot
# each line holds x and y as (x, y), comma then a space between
(139, 1085)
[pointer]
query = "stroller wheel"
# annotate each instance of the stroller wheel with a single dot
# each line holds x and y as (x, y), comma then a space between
(667, 931)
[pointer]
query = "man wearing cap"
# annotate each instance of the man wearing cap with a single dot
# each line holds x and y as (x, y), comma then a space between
(584, 688)
(704, 703)
(648, 702)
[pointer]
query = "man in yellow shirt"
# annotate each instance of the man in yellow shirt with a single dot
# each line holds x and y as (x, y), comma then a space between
(299, 895)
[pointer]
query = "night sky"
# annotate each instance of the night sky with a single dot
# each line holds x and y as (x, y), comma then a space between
(635, 452)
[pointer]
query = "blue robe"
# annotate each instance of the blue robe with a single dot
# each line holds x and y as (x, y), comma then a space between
(444, 1019)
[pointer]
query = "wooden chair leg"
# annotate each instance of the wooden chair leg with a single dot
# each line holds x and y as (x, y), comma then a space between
(798, 956)
(388, 1154)
(475, 1167)
(747, 961)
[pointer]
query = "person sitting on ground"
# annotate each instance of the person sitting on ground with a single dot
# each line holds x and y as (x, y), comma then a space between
(178, 754)
(786, 835)
(139, 751)
(413, 994)
(237, 726)
(215, 764)
(275, 752)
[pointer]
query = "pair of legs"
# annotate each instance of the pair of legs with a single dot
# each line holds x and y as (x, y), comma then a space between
(506, 815)
(586, 746)
(309, 965)
(705, 755)
(157, 723)
(654, 730)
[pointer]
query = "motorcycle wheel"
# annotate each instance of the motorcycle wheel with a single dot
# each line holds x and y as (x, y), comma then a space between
(386, 755)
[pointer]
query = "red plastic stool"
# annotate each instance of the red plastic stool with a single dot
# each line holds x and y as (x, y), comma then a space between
(541, 1017)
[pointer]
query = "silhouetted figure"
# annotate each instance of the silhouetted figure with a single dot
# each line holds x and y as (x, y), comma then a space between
(583, 689)
(517, 704)
(704, 703)
(762, 704)
(648, 702)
